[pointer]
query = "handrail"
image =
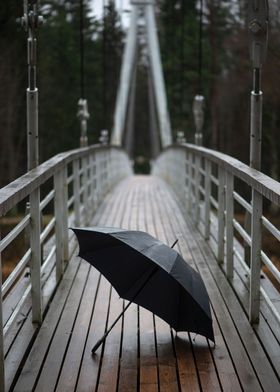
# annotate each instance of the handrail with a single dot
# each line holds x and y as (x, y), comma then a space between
(203, 179)
(80, 179)
(17, 190)
(264, 184)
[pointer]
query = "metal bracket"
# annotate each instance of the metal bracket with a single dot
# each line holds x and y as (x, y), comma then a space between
(31, 19)
(198, 112)
(83, 116)
(257, 24)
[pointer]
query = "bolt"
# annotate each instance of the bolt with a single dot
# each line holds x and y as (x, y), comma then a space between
(255, 26)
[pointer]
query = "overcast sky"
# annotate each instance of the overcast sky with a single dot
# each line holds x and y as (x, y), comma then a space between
(121, 5)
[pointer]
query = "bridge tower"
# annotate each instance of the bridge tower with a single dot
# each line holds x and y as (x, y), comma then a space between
(143, 10)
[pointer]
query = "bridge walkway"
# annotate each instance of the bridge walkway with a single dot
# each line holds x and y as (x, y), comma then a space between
(142, 352)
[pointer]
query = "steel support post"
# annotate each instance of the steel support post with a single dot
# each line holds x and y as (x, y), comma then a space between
(35, 261)
(258, 38)
(256, 246)
(61, 219)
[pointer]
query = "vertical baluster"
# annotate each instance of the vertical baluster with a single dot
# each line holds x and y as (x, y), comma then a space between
(77, 201)
(221, 214)
(61, 220)
(229, 224)
(97, 176)
(187, 180)
(2, 364)
(85, 188)
(92, 167)
(256, 243)
(65, 215)
(196, 190)
(207, 189)
(190, 182)
(35, 261)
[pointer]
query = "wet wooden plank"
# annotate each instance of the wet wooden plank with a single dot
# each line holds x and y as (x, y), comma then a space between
(128, 366)
(34, 361)
(238, 353)
(148, 362)
(73, 358)
(177, 362)
(168, 376)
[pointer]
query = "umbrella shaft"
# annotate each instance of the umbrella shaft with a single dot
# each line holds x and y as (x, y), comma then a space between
(121, 314)
(100, 341)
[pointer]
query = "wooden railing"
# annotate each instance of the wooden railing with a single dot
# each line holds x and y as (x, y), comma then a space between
(209, 185)
(76, 182)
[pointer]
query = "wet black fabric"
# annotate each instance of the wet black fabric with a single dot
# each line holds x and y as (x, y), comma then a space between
(175, 291)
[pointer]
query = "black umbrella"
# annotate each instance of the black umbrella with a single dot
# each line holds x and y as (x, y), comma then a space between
(145, 271)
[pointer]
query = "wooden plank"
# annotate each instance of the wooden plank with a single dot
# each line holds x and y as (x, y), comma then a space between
(168, 380)
(237, 352)
(188, 373)
(90, 364)
(40, 347)
(128, 369)
(20, 345)
(109, 373)
(208, 378)
(148, 367)
(72, 361)
(108, 378)
(62, 333)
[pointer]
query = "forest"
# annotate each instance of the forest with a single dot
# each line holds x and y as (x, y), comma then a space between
(224, 77)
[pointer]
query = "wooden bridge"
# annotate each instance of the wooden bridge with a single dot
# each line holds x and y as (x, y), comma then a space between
(54, 306)
(72, 305)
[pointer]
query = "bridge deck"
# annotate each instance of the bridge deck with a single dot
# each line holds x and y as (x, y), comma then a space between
(141, 352)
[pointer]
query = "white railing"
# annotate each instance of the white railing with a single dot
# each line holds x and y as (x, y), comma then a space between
(76, 183)
(208, 183)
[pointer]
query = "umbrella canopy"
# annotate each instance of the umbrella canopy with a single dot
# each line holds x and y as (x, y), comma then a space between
(144, 270)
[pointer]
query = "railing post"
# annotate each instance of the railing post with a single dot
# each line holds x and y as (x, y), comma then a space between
(207, 190)
(229, 224)
(97, 177)
(35, 261)
(197, 193)
(190, 182)
(61, 221)
(256, 242)
(2, 359)
(221, 216)
(85, 186)
(77, 203)
(92, 167)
